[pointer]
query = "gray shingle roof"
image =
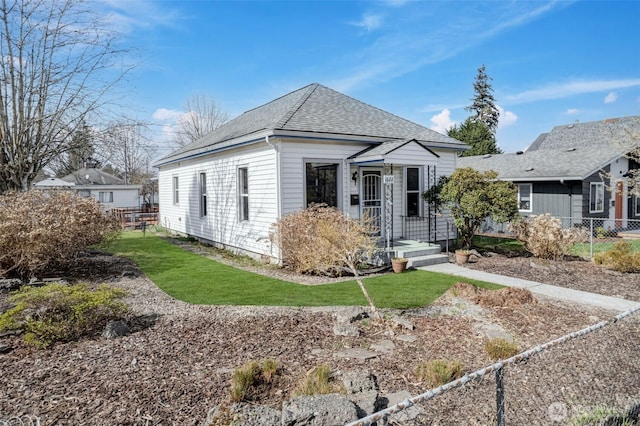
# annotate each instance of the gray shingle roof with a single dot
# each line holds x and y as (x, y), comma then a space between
(91, 176)
(567, 152)
(314, 109)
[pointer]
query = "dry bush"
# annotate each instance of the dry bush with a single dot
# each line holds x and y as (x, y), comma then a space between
(503, 297)
(322, 240)
(500, 348)
(250, 376)
(620, 258)
(544, 237)
(438, 372)
(42, 230)
(318, 381)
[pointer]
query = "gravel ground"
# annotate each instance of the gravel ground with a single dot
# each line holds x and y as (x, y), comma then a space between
(177, 362)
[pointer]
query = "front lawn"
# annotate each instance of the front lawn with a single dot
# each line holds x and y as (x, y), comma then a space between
(200, 280)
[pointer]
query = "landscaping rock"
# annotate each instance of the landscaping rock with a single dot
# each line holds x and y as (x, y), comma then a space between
(407, 338)
(319, 410)
(342, 329)
(405, 415)
(244, 414)
(385, 347)
(351, 314)
(492, 331)
(5, 349)
(356, 353)
(357, 381)
(10, 284)
(402, 322)
(115, 329)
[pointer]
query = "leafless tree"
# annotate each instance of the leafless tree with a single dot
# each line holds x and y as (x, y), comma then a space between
(125, 147)
(58, 61)
(203, 115)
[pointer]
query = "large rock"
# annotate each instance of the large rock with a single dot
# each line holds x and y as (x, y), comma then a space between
(344, 329)
(115, 329)
(362, 390)
(351, 314)
(244, 414)
(406, 415)
(319, 410)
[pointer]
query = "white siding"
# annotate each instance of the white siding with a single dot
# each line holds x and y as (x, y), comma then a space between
(222, 224)
(293, 156)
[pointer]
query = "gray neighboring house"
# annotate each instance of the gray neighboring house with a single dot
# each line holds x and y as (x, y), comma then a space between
(109, 190)
(309, 146)
(561, 173)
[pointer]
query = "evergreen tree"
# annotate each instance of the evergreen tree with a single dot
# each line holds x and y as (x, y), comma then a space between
(484, 107)
(80, 150)
(477, 135)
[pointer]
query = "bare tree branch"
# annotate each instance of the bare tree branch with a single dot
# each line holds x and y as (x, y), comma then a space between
(203, 115)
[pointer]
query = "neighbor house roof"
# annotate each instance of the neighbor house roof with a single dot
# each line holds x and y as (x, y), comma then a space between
(314, 109)
(571, 152)
(92, 176)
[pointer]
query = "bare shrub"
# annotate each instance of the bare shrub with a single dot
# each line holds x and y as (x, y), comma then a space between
(504, 297)
(544, 237)
(319, 239)
(42, 230)
(322, 240)
(620, 258)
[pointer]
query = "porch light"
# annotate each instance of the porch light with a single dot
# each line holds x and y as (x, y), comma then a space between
(354, 177)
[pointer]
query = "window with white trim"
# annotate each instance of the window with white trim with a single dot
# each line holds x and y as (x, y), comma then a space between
(412, 191)
(203, 194)
(176, 191)
(105, 196)
(524, 197)
(243, 193)
(596, 197)
(321, 181)
(636, 207)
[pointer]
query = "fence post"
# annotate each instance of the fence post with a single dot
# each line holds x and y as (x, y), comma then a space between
(591, 238)
(500, 397)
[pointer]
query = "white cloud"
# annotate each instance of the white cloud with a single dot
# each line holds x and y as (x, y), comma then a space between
(610, 98)
(564, 90)
(572, 111)
(507, 118)
(167, 115)
(442, 121)
(369, 22)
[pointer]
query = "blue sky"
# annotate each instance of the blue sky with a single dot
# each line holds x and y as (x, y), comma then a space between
(552, 62)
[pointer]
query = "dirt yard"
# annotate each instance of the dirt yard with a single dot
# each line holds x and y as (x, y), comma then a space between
(177, 362)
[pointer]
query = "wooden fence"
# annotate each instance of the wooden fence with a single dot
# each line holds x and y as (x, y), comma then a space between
(133, 217)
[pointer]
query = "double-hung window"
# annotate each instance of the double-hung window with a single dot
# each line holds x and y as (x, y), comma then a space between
(176, 191)
(203, 194)
(243, 193)
(412, 191)
(524, 197)
(105, 196)
(596, 197)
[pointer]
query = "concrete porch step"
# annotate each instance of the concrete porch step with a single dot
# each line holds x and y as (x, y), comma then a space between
(417, 250)
(427, 260)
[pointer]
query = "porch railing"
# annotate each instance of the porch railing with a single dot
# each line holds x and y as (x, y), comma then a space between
(418, 228)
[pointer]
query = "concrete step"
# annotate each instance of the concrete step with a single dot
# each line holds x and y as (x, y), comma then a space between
(417, 251)
(427, 260)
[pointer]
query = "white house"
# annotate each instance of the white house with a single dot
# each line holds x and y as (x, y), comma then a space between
(109, 190)
(309, 146)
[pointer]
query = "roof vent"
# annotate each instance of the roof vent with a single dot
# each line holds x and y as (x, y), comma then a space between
(530, 169)
(519, 152)
(570, 149)
(570, 126)
(486, 156)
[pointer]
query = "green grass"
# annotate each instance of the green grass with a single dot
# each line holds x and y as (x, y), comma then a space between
(582, 249)
(499, 245)
(200, 280)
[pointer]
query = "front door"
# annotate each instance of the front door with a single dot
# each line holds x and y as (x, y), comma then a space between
(618, 204)
(371, 191)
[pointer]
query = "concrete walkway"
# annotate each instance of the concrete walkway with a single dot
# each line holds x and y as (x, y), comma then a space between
(570, 295)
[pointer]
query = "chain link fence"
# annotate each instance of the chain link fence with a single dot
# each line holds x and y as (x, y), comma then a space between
(589, 377)
(600, 233)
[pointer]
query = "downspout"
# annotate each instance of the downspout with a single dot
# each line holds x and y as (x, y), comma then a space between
(278, 188)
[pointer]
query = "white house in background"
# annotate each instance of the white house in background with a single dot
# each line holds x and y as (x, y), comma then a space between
(109, 190)
(313, 145)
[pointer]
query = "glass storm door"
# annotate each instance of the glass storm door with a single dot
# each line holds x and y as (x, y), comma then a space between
(371, 192)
